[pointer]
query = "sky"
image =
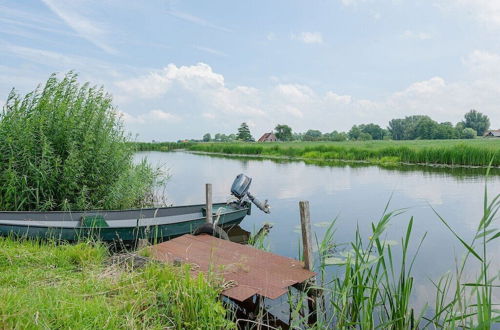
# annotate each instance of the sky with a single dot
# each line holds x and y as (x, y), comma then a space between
(179, 69)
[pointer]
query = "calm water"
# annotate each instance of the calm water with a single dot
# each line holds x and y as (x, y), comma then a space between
(357, 195)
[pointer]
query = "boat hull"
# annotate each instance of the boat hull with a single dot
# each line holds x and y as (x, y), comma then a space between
(153, 224)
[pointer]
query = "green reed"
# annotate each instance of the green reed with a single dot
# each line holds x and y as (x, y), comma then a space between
(478, 152)
(369, 289)
(63, 147)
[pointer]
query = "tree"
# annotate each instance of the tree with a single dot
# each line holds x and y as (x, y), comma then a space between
(312, 135)
(374, 130)
(477, 121)
(336, 136)
(218, 137)
(283, 132)
(354, 133)
(207, 137)
(364, 136)
(425, 129)
(469, 133)
(244, 133)
(397, 129)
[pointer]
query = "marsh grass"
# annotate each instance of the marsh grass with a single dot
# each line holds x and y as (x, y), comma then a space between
(369, 289)
(63, 147)
(478, 152)
(44, 285)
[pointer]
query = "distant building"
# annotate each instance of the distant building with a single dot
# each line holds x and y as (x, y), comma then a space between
(493, 133)
(268, 137)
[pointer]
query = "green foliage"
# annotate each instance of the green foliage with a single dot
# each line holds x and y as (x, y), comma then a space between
(63, 148)
(468, 133)
(283, 132)
(312, 135)
(477, 121)
(45, 285)
(244, 133)
(207, 137)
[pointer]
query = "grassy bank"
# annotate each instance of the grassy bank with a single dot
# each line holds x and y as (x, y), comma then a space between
(478, 152)
(48, 286)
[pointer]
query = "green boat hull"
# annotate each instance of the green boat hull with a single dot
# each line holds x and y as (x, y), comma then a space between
(152, 224)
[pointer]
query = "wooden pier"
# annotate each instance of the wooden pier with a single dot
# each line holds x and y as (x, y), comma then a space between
(249, 270)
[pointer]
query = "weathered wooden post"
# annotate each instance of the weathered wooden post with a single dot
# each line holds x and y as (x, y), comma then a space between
(208, 195)
(305, 223)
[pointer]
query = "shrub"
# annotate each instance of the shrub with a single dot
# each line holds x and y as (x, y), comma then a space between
(63, 147)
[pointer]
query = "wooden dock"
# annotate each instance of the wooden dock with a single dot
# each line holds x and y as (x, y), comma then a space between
(251, 271)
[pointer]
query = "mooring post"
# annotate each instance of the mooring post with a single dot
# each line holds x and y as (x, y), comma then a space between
(208, 195)
(305, 223)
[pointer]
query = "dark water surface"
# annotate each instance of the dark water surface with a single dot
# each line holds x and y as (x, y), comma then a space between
(356, 194)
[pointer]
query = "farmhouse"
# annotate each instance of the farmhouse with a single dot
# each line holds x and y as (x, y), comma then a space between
(268, 137)
(492, 133)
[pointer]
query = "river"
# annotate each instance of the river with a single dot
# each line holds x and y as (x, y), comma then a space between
(354, 194)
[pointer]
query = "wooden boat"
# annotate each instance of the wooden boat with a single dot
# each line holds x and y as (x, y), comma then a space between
(127, 225)
(154, 224)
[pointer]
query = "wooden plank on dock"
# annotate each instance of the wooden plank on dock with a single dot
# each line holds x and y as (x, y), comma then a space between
(253, 271)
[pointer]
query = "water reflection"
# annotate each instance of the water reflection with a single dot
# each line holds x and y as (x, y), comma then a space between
(356, 193)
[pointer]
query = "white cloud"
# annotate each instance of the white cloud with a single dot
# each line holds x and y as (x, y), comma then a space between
(408, 34)
(92, 31)
(487, 11)
(199, 91)
(308, 37)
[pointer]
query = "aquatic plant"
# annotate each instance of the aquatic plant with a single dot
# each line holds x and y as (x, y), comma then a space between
(63, 147)
(368, 289)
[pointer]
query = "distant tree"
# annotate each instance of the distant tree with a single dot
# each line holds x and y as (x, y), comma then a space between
(207, 137)
(335, 136)
(312, 135)
(468, 133)
(374, 130)
(365, 136)
(231, 137)
(477, 121)
(354, 133)
(218, 137)
(283, 132)
(244, 133)
(425, 128)
(447, 131)
(397, 129)
(297, 136)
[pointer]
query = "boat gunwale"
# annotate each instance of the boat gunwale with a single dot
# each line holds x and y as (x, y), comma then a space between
(28, 221)
(110, 211)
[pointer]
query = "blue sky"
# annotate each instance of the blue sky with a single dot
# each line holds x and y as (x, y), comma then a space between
(179, 69)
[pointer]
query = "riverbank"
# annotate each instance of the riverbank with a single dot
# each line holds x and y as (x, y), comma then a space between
(48, 285)
(468, 153)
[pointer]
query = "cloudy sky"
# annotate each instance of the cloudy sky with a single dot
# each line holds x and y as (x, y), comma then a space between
(178, 69)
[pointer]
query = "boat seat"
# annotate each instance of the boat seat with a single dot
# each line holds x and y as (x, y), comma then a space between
(93, 221)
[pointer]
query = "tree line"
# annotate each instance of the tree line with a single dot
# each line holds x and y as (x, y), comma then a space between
(407, 128)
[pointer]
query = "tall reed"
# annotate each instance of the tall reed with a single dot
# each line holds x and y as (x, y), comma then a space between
(477, 152)
(63, 147)
(369, 289)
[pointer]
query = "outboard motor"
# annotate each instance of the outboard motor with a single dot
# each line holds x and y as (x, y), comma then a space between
(239, 189)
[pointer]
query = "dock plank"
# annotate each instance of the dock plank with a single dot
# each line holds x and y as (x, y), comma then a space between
(253, 271)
